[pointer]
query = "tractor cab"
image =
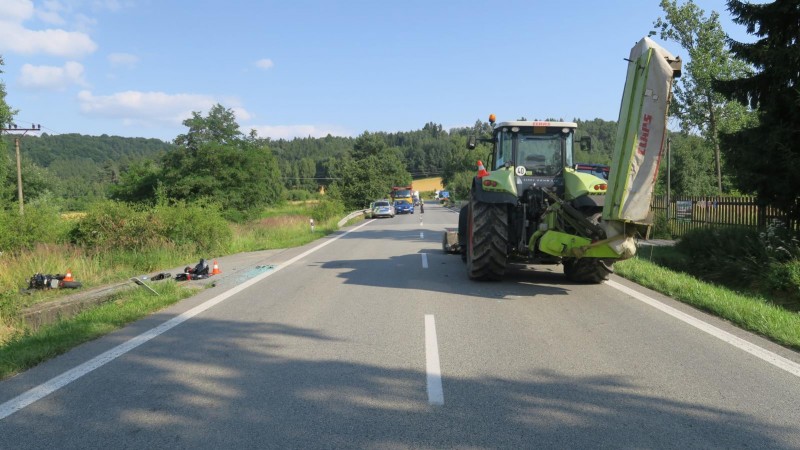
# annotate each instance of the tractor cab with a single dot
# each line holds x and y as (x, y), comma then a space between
(536, 152)
(530, 156)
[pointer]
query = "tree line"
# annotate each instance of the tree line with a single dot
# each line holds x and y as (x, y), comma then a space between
(735, 106)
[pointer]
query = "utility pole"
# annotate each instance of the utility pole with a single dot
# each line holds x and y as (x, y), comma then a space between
(669, 181)
(12, 127)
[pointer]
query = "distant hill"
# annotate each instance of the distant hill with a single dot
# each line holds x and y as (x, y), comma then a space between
(77, 168)
(61, 152)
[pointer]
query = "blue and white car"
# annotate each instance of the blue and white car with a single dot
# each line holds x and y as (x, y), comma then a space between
(404, 207)
(383, 208)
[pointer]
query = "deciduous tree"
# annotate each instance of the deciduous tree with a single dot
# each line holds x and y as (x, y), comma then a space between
(6, 114)
(215, 160)
(695, 103)
(371, 175)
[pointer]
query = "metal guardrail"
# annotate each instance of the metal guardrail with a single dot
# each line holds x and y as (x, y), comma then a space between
(351, 216)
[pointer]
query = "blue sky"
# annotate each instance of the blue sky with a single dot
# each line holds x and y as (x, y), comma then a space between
(290, 68)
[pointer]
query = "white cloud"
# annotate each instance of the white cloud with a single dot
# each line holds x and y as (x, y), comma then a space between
(265, 64)
(240, 113)
(51, 13)
(126, 60)
(52, 77)
(293, 131)
(150, 108)
(15, 10)
(83, 22)
(15, 37)
(68, 44)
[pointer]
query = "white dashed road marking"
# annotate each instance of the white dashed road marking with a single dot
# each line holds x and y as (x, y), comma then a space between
(434, 372)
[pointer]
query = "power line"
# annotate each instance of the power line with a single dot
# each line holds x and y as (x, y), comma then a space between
(14, 128)
(39, 127)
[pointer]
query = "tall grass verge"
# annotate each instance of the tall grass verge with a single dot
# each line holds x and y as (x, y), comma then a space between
(754, 313)
(286, 226)
(25, 350)
(113, 241)
(765, 262)
(276, 232)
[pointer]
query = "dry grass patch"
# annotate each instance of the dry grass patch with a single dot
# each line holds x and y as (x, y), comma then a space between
(428, 184)
(283, 221)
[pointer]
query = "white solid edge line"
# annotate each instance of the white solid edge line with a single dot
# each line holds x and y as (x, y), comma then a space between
(34, 394)
(759, 352)
(424, 260)
(432, 368)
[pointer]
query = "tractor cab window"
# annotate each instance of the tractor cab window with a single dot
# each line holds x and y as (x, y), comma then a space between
(504, 140)
(570, 142)
(540, 153)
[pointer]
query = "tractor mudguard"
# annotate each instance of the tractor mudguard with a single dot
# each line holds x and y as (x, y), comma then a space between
(479, 194)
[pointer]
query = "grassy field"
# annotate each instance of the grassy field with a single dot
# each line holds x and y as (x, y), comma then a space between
(428, 184)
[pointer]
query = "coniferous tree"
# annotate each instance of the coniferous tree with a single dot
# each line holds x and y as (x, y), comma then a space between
(766, 157)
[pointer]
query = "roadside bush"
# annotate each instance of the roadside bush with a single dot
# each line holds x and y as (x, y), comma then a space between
(236, 215)
(199, 225)
(40, 223)
(783, 280)
(745, 258)
(327, 209)
(731, 255)
(780, 243)
(294, 195)
(110, 225)
(660, 226)
(666, 256)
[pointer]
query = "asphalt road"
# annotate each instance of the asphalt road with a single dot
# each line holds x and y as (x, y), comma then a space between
(373, 338)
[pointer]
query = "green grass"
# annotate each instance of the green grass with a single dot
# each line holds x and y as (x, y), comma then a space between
(277, 232)
(22, 348)
(751, 312)
(28, 349)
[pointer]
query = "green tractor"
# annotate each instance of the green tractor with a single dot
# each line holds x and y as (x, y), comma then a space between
(532, 207)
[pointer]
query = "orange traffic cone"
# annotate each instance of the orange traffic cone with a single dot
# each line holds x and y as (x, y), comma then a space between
(481, 170)
(68, 276)
(215, 270)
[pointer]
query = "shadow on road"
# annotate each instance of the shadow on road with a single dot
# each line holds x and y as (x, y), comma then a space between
(221, 384)
(446, 274)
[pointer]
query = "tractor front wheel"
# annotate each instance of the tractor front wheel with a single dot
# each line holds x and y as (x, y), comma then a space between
(487, 240)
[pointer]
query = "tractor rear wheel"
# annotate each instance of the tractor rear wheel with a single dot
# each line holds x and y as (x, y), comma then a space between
(587, 270)
(463, 222)
(487, 240)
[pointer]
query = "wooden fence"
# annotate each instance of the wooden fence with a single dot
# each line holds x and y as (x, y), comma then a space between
(687, 213)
